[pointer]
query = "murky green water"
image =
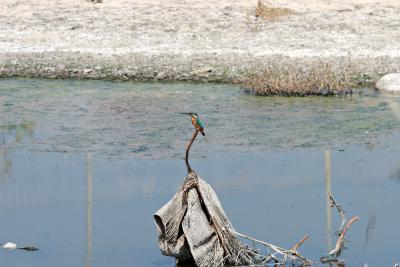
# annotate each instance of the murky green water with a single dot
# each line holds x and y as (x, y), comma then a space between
(143, 119)
(84, 165)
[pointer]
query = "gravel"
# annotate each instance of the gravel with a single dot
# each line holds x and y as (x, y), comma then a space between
(192, 40)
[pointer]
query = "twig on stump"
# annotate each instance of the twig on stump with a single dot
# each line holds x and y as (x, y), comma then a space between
(189, 145)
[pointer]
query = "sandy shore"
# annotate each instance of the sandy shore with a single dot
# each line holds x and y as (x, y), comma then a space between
(192, 40)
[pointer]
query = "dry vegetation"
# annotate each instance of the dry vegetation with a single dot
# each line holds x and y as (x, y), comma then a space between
(268, 12)
(288, 80)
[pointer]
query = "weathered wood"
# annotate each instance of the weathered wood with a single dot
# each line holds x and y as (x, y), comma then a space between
(193, 225)
(196, 213)
(203, 253)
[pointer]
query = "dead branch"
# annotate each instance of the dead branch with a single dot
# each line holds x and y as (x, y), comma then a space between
(341, 211)
(340, 242)
(291, 253)
(297, 246)
(334, 254)
(271, 246)
(189, 145)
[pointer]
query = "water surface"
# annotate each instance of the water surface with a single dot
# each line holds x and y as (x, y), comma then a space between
(85, 164)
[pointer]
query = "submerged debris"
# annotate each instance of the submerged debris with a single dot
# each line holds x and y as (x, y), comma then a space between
(29, 248)
(13, 246)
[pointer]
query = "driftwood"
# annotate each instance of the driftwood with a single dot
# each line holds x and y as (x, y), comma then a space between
(192, 226)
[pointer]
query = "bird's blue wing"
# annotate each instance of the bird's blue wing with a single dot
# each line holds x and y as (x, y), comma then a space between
(198, 122)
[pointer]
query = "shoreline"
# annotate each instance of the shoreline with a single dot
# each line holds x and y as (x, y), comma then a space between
(231, 68)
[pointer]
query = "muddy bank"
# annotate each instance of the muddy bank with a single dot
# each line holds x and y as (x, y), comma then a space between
(230, 68)
(192, 40)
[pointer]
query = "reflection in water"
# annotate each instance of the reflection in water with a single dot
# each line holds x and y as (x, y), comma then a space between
(89, 208)
(6, 164)
(370, 228)
(395, 175)
(328, 202)
(393, 102)
(18, 130)
(148, 187)
(10, 135)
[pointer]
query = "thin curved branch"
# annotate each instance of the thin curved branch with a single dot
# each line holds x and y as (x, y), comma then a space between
(340, 242)
(189, 145)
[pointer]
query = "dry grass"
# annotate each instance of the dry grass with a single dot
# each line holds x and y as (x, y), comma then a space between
(319, 79)
(267, 12)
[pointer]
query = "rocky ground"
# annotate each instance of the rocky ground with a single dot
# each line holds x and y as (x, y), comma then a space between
(192, 40)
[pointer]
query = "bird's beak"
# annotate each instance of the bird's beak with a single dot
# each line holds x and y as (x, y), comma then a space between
(187, 113)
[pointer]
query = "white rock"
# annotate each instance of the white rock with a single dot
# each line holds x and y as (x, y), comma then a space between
(203, 72)
(161, 75)
(10, 246)
(389, 82)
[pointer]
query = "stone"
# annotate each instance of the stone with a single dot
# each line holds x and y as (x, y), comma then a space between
(161, 75)
(389, 82)
(10, 246)
(203, 72)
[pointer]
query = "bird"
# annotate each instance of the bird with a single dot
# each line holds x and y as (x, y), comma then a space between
(197, 123)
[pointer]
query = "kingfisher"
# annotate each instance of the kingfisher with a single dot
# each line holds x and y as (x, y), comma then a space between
(197, 123)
